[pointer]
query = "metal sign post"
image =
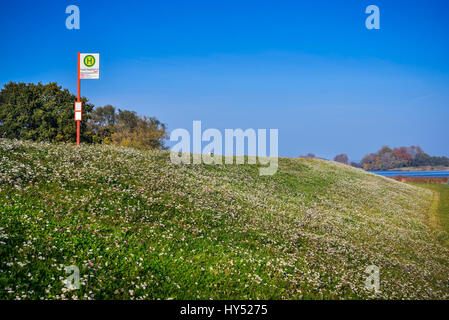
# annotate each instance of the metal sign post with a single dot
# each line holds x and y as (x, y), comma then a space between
(88, 68)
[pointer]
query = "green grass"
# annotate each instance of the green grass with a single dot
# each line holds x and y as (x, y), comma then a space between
(139, 227)
(441, 207)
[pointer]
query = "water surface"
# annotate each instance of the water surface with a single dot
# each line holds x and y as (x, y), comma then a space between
(412, 173)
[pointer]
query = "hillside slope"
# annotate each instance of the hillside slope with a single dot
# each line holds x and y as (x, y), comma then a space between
(139, 227)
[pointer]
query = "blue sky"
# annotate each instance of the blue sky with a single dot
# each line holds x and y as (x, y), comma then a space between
(308, 68)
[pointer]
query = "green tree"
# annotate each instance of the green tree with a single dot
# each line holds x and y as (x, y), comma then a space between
(102, 123)
(40, 112)
(128, 119)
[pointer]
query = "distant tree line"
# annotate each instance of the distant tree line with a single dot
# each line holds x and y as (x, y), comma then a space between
(387, 158)
(308, 156)
(413, 156)
(45, 113)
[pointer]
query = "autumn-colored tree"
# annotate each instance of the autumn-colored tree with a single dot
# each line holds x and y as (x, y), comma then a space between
(342, 158)
(369, 161)
(403, 155)
(132, 130)
(414, 150)
(414, 156)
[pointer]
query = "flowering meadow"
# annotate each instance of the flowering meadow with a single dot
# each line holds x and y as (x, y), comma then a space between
(140, 227)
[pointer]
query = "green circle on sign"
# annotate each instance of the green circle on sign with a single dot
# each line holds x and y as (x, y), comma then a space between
(89, 60)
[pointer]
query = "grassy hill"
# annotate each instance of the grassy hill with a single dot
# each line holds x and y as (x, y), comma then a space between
(139, 227)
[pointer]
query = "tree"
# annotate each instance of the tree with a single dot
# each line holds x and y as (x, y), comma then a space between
(355, 165)
(104, 116)
(384, 159)
(369, 161)
(342, 158)
(102, 123)
(422, 159)
(403, 156)
(132, 130)
(127, 118)
(308, 156)
(46, 113)
(440, 161)
(413, 156)
(127, 128)
(41, 113)
(414, 150)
